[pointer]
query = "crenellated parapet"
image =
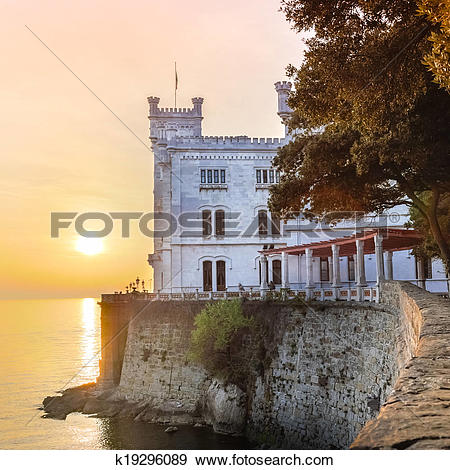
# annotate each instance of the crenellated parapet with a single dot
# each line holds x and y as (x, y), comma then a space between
(156, 111)
(232, 142)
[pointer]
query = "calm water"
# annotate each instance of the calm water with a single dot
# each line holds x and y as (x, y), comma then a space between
(48, 345)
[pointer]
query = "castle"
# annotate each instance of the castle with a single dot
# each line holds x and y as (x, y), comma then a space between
(213, 225)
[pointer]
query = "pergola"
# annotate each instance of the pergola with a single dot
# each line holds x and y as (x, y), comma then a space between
(370, 241)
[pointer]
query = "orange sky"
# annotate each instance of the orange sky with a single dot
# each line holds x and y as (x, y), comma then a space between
(61, 150)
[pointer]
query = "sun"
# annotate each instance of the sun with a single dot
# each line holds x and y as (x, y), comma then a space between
(89, 246)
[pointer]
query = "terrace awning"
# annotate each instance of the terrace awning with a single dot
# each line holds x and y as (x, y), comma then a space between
(393, 240)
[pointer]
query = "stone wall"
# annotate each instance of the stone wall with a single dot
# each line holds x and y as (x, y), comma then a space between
(416, 415)
(332, 368)
(155, 363)
(325, 370)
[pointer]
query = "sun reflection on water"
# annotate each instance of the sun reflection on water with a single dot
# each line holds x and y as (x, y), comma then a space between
(89, 340)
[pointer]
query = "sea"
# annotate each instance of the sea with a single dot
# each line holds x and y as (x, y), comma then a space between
(49, 345)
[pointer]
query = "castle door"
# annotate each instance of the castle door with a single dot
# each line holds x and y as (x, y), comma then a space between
(207, 276)
(221, 282)
(276, 271)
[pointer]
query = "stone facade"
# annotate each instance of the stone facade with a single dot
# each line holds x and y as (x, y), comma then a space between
(230, 177)
(194, 174)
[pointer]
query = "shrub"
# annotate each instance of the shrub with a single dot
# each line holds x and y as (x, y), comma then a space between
(217, 327)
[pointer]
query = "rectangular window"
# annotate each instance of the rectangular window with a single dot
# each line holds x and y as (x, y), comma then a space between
(203, 176)
(275, 225)
(207, 276)
(324, 269)
(271, 178)
(220, 223)
(277, 176)
(264, 174)
(427, 268)
(206, 223)
(209, 176)
(258, 176)
(220, 273)
(351, 268)
(262, 223)
(216, 176)
(222, 176)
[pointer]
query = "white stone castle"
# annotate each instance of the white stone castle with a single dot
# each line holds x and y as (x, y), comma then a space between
(214, 191)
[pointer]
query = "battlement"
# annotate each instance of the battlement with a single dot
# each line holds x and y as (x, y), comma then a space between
(283, 85)
(227, 141)
(156, 111)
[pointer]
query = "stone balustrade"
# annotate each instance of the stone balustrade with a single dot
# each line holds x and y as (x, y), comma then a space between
(370, 294)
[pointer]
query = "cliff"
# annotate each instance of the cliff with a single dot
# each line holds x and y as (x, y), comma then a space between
(321, 375)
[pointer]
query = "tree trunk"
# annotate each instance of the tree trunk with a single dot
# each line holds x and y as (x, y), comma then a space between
(437, 234)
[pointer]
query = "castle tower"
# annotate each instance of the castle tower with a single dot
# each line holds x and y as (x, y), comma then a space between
(166, 124)
(284, 111)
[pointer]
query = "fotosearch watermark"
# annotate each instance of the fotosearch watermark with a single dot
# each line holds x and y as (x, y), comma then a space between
(218, 223)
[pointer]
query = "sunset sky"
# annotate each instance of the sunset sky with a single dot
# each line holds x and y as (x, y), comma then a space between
(63, 151)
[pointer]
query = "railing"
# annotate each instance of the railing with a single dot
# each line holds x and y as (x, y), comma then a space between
(369, 293)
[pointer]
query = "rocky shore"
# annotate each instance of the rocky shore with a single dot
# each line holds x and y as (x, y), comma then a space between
(90, 400)
(223, 407)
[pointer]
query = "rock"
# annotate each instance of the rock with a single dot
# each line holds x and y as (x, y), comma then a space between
(57, 407)
(110, 411)
(199, 425)
(71, 400)
(225, 408)
(94, 405)
(171, 429)
(131, 410)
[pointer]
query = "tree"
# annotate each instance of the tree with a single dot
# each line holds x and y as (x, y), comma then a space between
(374, 125)
(438, 59)
(428, 248)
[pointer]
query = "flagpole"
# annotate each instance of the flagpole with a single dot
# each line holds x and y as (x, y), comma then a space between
(176, 85)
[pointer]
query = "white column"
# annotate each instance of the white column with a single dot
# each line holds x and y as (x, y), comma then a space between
(378, 240)
(336, 266)
(284, 270)
(309, 268)
(360, 268)
(389, 266)
(270, 268)
(214, 276)
(263, 262)
(330, 269)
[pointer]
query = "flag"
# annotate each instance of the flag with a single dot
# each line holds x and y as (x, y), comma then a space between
(176, 77)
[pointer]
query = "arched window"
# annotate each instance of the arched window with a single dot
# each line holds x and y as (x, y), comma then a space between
(262, 223)
(276, 271)
(275, 225)
(220, 273)
(220, 223)
(207, 276)
(206, 223)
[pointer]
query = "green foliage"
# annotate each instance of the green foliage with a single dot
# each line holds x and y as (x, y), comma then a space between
(437, 13)
(375, 126)
(217, 326)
